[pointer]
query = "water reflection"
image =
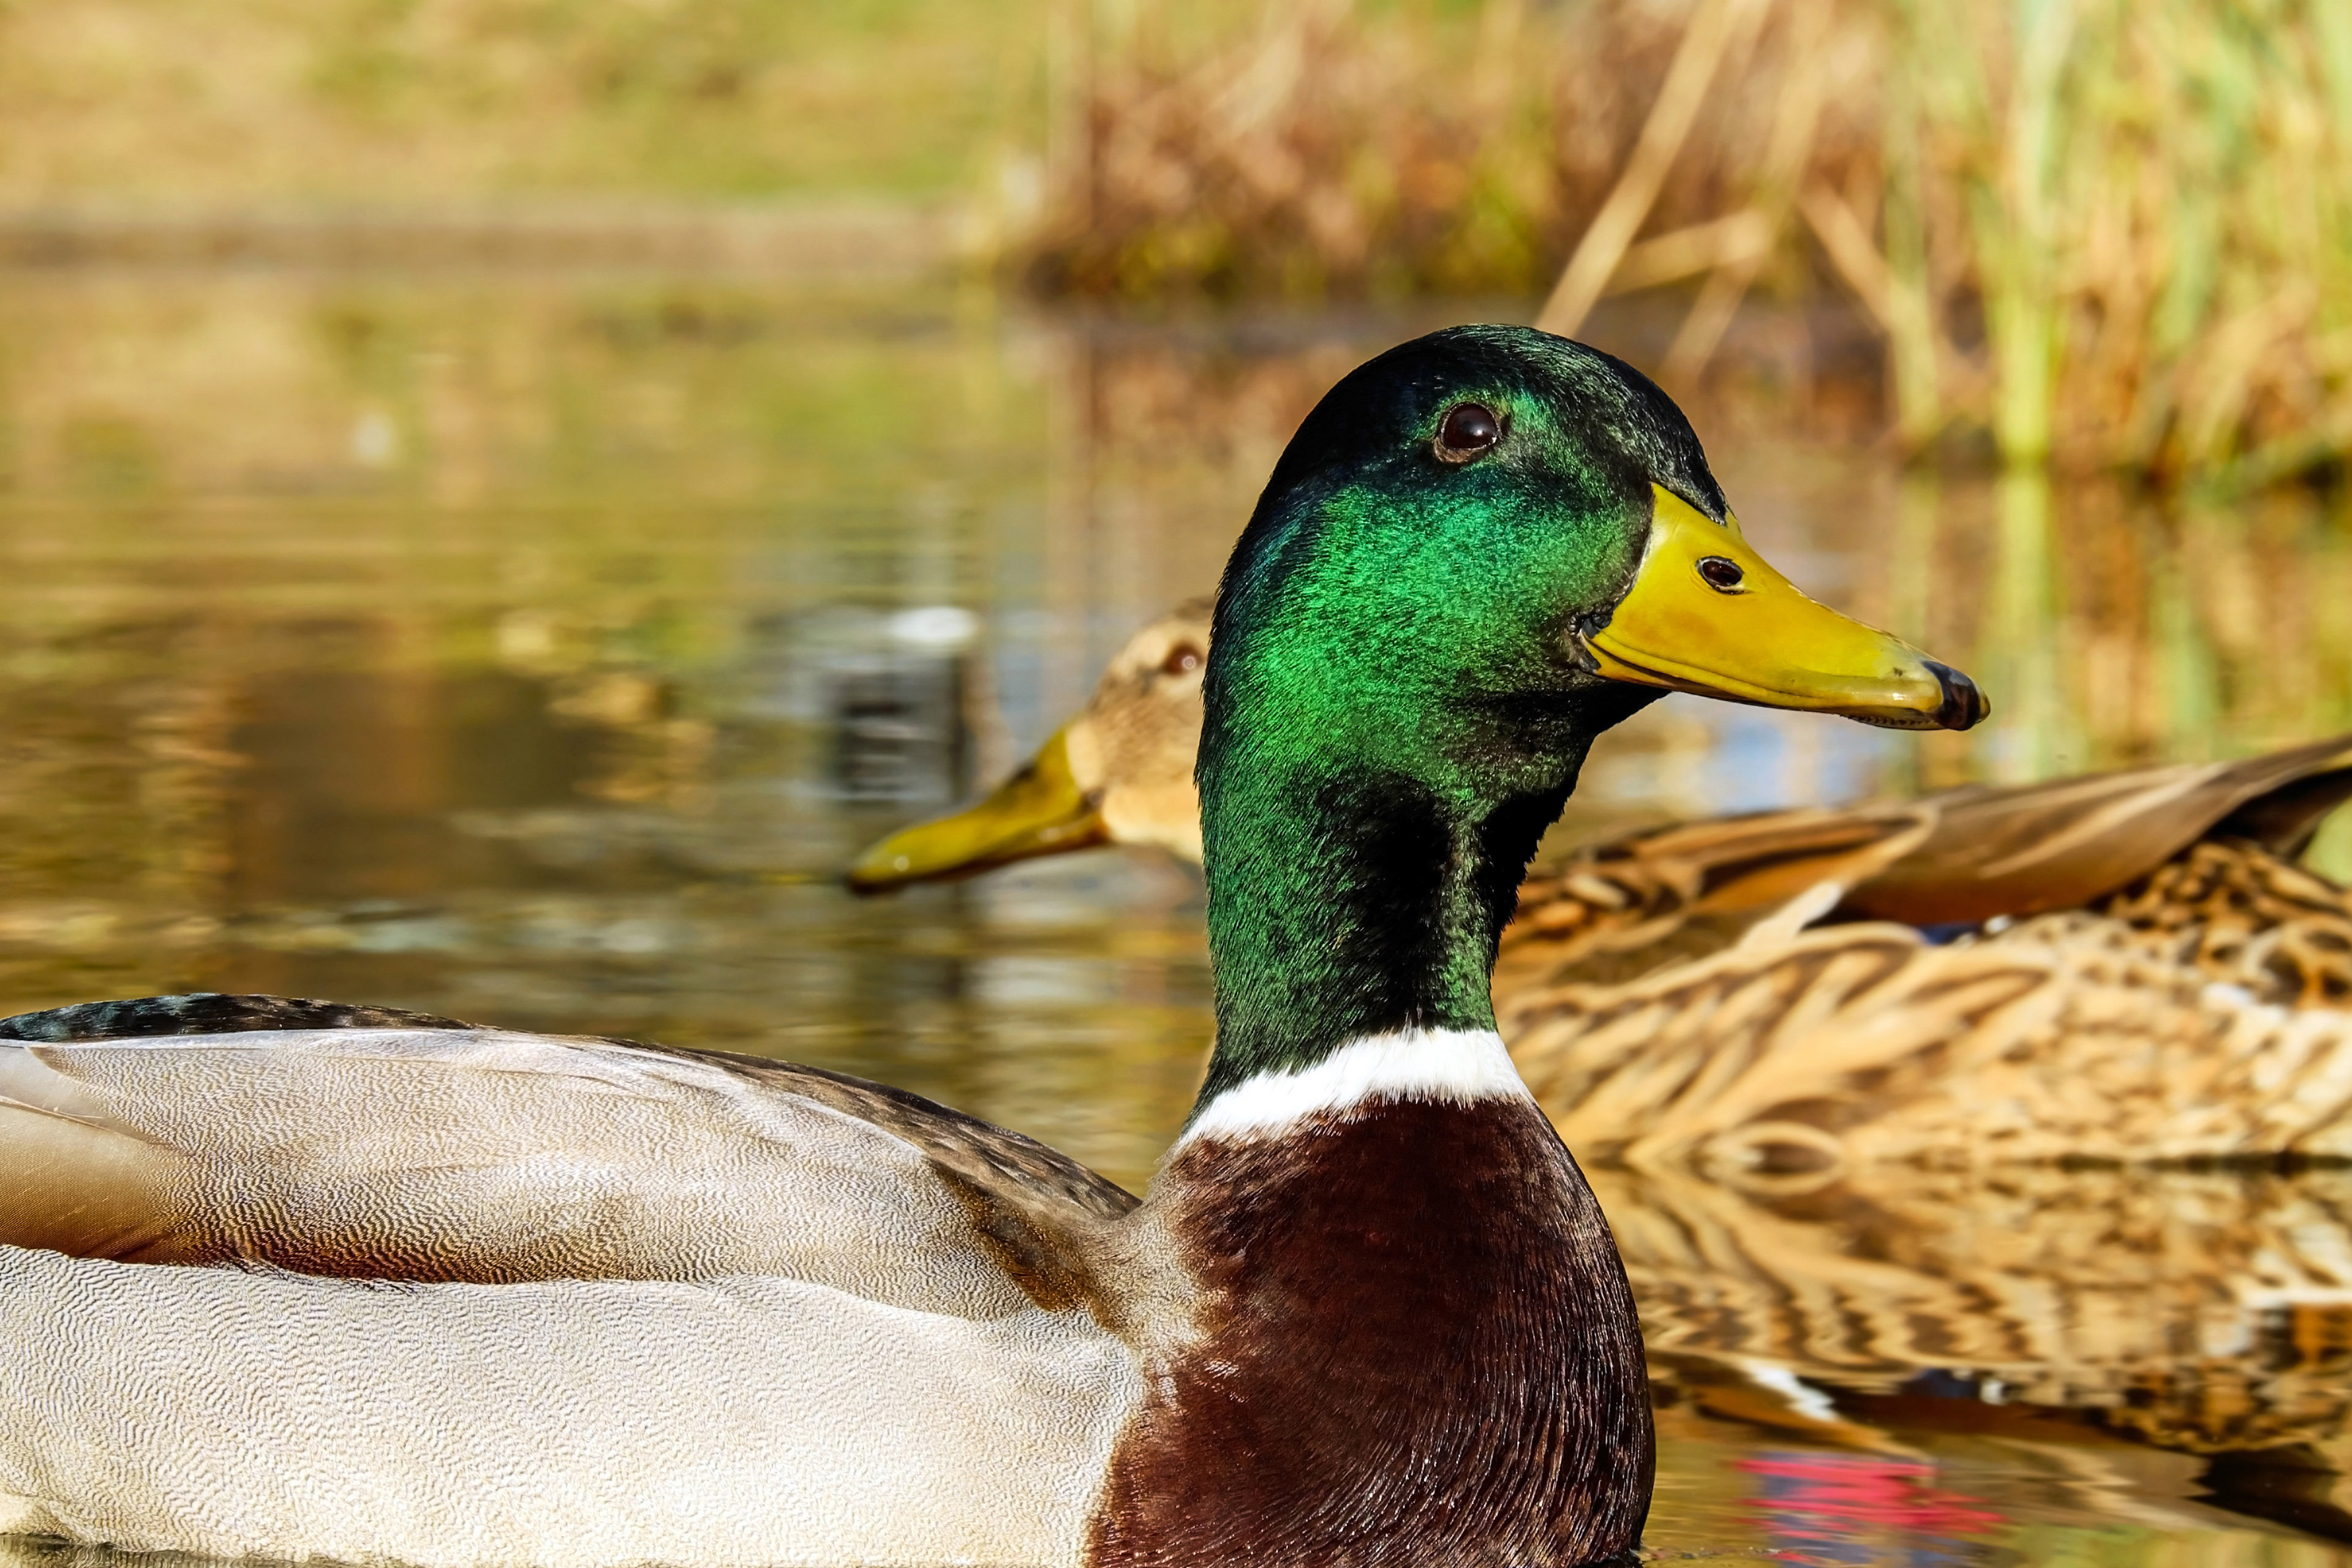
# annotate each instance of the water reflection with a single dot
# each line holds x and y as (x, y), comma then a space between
(2205, 1310)
(537, 651)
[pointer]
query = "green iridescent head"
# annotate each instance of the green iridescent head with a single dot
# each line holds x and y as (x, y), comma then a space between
(1481, 550)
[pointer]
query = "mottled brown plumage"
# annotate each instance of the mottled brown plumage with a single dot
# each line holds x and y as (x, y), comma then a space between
(2032, 849)
(2147, 845)
(2067, 1038)
(1629, 906)
(2232, 910)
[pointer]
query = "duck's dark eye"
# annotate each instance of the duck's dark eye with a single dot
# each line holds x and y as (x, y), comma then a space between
(1469, 429)
(1723, 576)
(1182, 659)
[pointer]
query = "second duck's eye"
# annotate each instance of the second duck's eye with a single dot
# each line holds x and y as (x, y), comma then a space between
(1182, 659)
(1468, 429)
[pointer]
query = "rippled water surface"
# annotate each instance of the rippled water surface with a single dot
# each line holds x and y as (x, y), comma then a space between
(537, 651)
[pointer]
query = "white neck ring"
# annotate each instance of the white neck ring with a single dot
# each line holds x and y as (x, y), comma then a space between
(1446, 1066)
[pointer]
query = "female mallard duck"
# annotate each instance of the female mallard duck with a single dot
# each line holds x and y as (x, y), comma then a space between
(2128, 942)
(656, 1305)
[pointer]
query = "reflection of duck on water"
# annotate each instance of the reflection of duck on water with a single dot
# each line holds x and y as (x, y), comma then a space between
(2206, 1310)
(2141, 971)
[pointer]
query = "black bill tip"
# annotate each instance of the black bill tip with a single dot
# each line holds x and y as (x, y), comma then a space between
(1964, 707)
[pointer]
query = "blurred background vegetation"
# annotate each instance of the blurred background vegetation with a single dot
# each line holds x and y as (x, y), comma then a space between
(2113, 233)
(356, 104)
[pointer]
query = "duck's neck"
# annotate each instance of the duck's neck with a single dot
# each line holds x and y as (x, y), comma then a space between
(1412, 1340)
(1353, 916)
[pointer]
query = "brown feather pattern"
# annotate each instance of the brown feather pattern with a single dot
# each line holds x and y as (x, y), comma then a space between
(2157, 847)
(2067, 1038)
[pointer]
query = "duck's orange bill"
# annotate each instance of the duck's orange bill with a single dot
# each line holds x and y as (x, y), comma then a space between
(1040, 810)
(1707, 613)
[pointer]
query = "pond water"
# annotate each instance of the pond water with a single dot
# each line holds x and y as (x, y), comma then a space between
(538, 649)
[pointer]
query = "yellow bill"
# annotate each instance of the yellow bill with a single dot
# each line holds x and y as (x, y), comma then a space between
(1041, 810)
(1706, 614)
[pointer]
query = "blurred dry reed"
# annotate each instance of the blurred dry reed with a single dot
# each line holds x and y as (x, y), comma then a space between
(2117, 233)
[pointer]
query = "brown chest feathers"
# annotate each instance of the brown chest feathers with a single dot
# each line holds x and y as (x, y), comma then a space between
(1417, 1347)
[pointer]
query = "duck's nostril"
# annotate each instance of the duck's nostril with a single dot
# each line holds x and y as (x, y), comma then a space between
(1723, 575)
(1964, 706)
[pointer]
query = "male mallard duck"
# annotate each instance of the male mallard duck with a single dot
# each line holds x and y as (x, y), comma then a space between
(656, 1305)
(2128, 940)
